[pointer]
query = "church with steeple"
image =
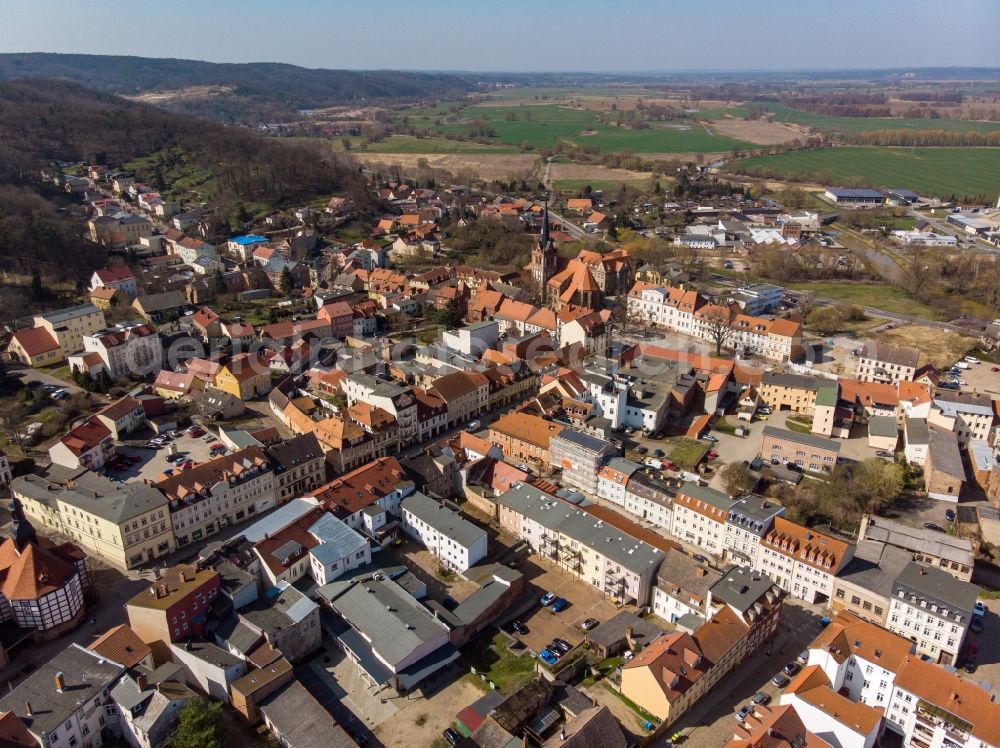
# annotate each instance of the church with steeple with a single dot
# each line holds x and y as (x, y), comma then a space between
(41, 583)
(544, 259)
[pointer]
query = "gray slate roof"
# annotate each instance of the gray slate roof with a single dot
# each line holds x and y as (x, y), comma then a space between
(302, 721)
(741, 587)
(86, 674)
(442, 519)
(938, 585)
(92, 493)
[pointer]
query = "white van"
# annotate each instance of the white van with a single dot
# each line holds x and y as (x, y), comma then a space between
(473, 426)
(971, 359)
(654, 463)
(961, 365)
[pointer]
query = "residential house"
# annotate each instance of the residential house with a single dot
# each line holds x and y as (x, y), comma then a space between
(801, 561)
(456, 542)
(127, 351)
(816, 454)
(699, 517)
(524, 437)
(88, 444)
(68, 326)
(35, 347)
(879, 362)
(245, 375)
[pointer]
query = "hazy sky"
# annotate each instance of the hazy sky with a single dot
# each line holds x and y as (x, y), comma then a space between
(519, 35)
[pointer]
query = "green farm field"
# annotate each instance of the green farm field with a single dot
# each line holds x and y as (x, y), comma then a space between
(928, 171)
(545, 125)
(409, 144)
(854, 125)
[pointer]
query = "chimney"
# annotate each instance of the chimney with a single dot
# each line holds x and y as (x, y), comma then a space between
(27, 709)
(60, 680)
(141, 681)
(701, 571)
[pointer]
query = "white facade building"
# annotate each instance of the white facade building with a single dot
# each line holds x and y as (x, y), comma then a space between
(456, 542)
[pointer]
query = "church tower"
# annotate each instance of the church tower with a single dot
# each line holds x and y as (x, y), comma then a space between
(544, 260)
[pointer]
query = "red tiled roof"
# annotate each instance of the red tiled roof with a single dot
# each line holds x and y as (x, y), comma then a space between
(36, 340)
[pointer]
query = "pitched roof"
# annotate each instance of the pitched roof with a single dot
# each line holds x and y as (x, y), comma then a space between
(357, 489)
(35, 340)
(86, 436)
(526, 427)
(806, 546)
(32, 571)
(114, 275)
(122, 645)
(962, 698)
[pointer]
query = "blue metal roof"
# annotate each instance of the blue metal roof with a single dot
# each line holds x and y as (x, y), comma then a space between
(248, 239)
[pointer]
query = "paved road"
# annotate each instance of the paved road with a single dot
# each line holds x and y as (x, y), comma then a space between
(571, 228)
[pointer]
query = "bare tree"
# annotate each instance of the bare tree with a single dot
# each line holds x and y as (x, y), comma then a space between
(718, 325)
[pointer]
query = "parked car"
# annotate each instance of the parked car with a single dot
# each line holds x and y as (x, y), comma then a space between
(791, 668)
(977, 625)
(710, 438)
(803, 656)
(560, 645)
(627, 655)
(712, 454)
(654, 463)
(668, 465)
(523, 468)
(885, 455)
(932, 526)
(971, 360)
(559, 604)
(641, 449)
(547, 657)
(186, 465)
(473, 426)
(995, 369)
(589, 624)
(452, 736)
(760, 698)
(743, 713)
(949, 515)
(208, 438)
(659, 453)
(699, 558)
(979, 610)
(547, 599)
(780, 680)
(765, 411)
(970, 665)
(518, 628)
(196, 431)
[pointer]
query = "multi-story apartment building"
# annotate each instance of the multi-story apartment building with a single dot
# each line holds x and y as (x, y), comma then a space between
(650, 498)
(123, 416)
(682, 587)
(125, 524)
(619, 565)
(129, 351)
(889, 364)
(393, 397)
(816, 454)
(466, 393)
(65, 701)
(456, 542)
(381, 483)
(218, 493)
(691, 313)
(68, 326)
(674, 671)
(933, 609)
(89, 444)
(245, 375)
(173, 608)
(747, 521)
(299, 466)
(864, 587)
(118, 277)
(524, 437)
(969, 415)
(859, 658)
(795, 392)
(613, 478)
(802, 561)
(931, 707)
(699, 517)
(580, 457)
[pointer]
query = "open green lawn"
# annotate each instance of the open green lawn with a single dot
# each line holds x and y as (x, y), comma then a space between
(885, 297)
(410, 144)
(688, 453)
(489, 655)
(550, 124)
(931, 171)
(871, 124)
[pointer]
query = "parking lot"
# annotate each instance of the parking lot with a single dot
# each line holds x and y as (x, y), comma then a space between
(584, 600)
(981, 378)
(152, 462)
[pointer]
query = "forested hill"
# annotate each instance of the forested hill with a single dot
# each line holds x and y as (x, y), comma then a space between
(231, 92)
(43, 121)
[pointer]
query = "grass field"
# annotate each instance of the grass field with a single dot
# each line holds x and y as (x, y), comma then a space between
(688, 453)
(550, 124)
(489, 655)
(938, 347)
(871, 124)
(931, 171)
(410, 144)
(887, 298)
(603, 185)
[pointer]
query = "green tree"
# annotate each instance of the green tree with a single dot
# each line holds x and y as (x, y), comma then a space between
(287, 283)
(450, 316)
(220, 281)
(201, 725)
